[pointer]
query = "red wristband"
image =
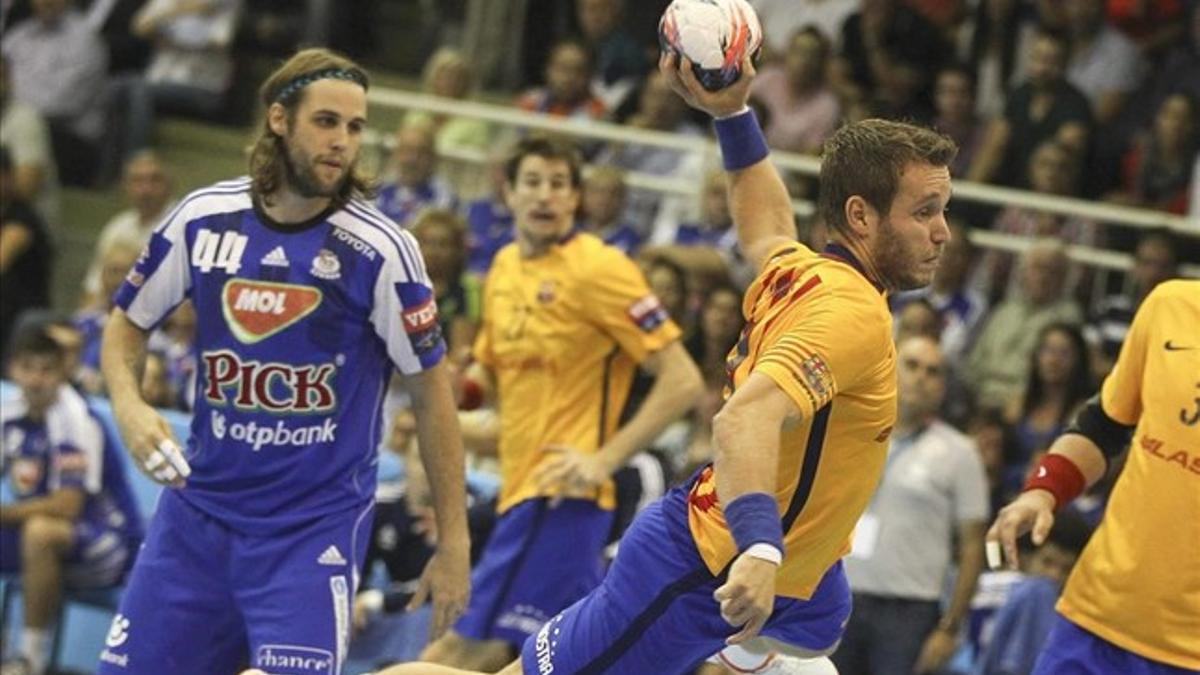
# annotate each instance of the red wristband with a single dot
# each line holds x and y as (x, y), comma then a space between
(1060, 477)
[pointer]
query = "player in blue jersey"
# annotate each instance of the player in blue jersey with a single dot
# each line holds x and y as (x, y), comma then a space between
(73, 521)
(308, 298)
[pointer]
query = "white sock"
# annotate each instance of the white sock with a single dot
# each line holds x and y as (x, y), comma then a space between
(34, 647)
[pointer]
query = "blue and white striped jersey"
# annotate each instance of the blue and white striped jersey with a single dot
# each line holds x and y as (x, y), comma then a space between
(298, 330)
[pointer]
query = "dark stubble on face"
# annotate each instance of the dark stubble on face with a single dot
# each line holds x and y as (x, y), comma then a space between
(302, 178)
(896, 264)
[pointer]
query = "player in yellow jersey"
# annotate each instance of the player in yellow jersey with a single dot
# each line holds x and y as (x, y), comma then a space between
(567, 320)
(1132, 603)
(747, 552)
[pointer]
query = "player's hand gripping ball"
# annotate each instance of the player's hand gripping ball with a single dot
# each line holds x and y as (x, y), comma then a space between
(715, 35)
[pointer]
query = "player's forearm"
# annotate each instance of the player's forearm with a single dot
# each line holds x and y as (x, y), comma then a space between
(440, 445)
(65, 504)
(746, 453)
(676, 390)
(1084, 454)
(970, 565)
(761, 207)
(122, 356)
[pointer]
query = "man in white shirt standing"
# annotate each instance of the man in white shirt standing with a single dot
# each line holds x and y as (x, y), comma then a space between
(933, 493)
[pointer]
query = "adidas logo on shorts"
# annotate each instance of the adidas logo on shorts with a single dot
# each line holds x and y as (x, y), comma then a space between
(331, 556)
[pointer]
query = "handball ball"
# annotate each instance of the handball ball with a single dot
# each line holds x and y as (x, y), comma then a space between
(715, 35)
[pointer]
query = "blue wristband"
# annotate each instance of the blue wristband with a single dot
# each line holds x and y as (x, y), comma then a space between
(753, 518)
(741, 139)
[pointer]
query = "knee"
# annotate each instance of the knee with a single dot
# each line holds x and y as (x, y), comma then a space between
(44, 535)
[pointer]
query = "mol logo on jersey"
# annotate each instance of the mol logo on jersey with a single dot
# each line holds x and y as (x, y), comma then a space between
(256, 310)
(270, 386)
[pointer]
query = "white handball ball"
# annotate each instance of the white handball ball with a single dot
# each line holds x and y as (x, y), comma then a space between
(715, 35)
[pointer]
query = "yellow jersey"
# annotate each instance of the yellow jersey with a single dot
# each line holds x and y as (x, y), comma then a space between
(821, 330)
(563, 334)
(1137, 584)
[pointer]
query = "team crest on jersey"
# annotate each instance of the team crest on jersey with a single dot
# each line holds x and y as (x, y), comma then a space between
(326, 265)
(256, 310)
(648, 313)
(545, 294)
(817, 378)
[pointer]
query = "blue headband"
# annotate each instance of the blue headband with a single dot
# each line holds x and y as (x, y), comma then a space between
(306, 79)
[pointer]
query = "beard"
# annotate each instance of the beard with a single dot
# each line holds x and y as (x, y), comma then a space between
(899, 266)
(302, 177)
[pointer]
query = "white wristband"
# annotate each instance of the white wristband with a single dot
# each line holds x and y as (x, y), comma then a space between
(765, 552)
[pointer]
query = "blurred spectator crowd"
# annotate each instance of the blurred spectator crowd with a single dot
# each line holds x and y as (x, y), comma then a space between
(1096, 99)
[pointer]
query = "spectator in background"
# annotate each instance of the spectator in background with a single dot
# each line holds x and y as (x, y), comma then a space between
(1053, 170)
(960, 308)
(997, 52)
(1156, 170)
(1058, 380)
(115, 261)
(26, 254)
(58, 65)
(74, 523)
(1103, 64)
(113, 21)
(415, 184)
(489, 220)
(568, 89)
(668, 282)
(1154, 261)
(603, 208)
(1153, 25)
(448, 74)
(443, 238)
(192, 66)
(931, 500)
(997, 449)
(147, 185)
(175, 340)
(917, 318)
(717, 331)
(892, 51)
(620, 62)
(1045, 107)
(26, 136)
(954, 114)
(998, 362)
(803, 109)
(1018, 629)
(782, 18)
(658, 109)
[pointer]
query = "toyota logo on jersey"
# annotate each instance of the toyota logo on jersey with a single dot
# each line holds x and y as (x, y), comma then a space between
(256, 310)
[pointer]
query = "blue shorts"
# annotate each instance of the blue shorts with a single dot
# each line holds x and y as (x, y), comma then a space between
(204, 599)
(656, 604)
(100, 557)
(537, 562)
(1071, 650)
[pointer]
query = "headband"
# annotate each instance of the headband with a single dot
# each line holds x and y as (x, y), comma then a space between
(301, 81)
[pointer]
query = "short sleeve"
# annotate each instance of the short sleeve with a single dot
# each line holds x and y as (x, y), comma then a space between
(1121, 394)
(620, 302)
(405, 314)
(161, 278)
(820, 347)
(970, 485)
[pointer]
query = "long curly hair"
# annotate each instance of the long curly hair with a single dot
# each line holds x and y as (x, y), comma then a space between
(268, 151)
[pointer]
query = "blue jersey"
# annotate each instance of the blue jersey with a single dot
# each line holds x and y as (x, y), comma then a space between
(68, 448)
(489, 229)
(402, 203)
(299, 329)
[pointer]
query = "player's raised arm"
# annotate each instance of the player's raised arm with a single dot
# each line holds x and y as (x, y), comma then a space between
(758, 199)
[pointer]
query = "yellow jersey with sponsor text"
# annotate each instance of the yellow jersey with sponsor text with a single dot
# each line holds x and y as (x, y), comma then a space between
(563, 334)
(821, 330)
(1137, 584)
